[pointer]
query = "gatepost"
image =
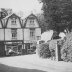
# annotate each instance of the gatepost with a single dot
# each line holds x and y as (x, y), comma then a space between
(58, 51)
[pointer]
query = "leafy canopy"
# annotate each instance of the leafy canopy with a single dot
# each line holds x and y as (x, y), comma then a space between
(58, 14)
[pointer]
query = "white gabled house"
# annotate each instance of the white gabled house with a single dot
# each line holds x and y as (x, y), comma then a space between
(13, 34)
(32, 32)
(18, 35)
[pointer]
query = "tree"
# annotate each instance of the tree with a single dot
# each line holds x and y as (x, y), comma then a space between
(3, 13)
(58, 14)
(43, 50)
(42, 22)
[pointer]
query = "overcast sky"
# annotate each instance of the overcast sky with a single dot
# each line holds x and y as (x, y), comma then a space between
(27, 6)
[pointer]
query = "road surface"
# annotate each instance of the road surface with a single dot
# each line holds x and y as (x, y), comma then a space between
(34, 62)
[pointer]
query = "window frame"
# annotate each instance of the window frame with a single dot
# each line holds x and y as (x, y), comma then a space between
(13, 21)
(14, 33)
(32, 33)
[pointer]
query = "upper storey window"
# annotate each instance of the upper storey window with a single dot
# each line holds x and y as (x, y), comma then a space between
(13, 21)
(32, 33)
(14, 33)
(31, 21)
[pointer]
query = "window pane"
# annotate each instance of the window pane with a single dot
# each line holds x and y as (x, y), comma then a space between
(13, 21)
(32, 33)
(14, 33)
(38, 37)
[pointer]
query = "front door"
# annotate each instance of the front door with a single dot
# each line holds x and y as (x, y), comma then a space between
(20, 49)
(27, 46)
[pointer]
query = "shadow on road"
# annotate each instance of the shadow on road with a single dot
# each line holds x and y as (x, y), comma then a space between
(5, 68)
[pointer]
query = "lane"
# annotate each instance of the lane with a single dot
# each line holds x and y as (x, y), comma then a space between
(34, 62)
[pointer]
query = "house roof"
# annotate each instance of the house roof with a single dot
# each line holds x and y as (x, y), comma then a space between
(11, 16)
(31, 16)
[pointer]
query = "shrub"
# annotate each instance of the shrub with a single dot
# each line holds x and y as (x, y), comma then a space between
(52, 47)
(52, 44)
(43, 50)
(66, 51)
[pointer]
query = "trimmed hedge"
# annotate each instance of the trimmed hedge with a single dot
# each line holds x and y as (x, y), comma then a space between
(66, 51)
(43, 50)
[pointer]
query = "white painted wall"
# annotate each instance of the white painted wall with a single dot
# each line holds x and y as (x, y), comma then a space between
(38, 32)
(8, 35)
(19, 34)
(31, 26)
(28, 23)
(1, 34)
(26, 34)
(17, 25)
(36, 23)
(27, 31)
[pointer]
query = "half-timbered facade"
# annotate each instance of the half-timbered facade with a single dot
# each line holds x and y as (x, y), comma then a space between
(13, 34)
(32, 32)
(19, 36)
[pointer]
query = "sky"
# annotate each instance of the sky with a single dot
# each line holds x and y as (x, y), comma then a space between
(27, 6)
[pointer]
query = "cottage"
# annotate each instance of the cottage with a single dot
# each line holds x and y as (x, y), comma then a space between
(32, 32)
(13, 34)
(17, 35)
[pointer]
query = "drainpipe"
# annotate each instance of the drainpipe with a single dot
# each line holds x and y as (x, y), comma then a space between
(23, 35)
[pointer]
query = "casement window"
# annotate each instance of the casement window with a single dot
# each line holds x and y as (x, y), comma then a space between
(14, 33)
(32, 21)
(32, 33)
(13, 21)
(38, 37)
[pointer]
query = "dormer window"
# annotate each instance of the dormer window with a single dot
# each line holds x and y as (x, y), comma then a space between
(31, 21)
(13, 21)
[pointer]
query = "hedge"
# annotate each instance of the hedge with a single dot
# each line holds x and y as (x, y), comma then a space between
(43, 50)
(66, 51)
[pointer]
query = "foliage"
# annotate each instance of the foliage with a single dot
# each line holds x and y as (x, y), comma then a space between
(58, 14)
(66, 50)
(42, 22)
(43, 50)
(33, 48)
(52, 47)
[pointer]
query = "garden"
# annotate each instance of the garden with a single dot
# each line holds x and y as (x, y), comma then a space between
(64, 46)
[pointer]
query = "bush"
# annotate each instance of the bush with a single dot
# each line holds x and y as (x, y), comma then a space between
(33, 48)
(43, 50)
(66, 51)
(52, 47)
